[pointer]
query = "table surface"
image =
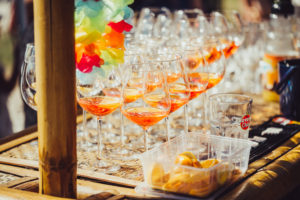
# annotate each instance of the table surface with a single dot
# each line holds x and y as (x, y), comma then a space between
(273, 176)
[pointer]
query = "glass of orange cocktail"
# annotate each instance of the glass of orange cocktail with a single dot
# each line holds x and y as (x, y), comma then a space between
(176, 79)
(215, 64)
(149, 81)
(99, 94)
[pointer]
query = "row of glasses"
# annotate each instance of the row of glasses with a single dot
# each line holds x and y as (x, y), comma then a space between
(142, 92)
(191, 60)
(190, 23)
(163, 84)
(203, 63)
(186, 26)
(152, 88)
(201, 67)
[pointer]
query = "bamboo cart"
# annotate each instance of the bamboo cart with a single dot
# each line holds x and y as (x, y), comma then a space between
(57, 173)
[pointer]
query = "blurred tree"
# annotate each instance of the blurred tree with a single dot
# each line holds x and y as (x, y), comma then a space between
(19, 33)
(255, 10)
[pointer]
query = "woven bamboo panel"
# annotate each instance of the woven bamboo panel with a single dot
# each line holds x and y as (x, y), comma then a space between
(6, 178)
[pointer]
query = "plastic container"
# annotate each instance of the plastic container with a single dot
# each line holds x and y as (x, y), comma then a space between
(161, 172)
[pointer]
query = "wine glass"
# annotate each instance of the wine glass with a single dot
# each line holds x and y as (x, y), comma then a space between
(193, 16)
(28, 90)
(150, 81)
(194, 63)
(214, 61)
(124, 151)
(98, 92)
(28, 82)
(216, 65)
(153, 23)
(177, 82)
(236, 29)
(179, 88)
(229, 29)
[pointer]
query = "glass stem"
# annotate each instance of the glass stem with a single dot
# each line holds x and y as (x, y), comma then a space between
(186, 119)
(99, 138)
(167, 128)
(146, 132)
(205, 110)
(122, 129)
(84, 129)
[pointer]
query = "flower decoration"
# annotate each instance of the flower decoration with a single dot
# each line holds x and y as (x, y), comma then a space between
(99, 33)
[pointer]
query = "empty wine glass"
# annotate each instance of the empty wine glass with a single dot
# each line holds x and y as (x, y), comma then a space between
(154, 24)
(193, 16)
(28, 82)
(28, 91)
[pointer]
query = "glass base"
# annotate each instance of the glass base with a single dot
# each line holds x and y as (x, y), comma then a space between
(120, 153)
(107, 167)
(86, 146)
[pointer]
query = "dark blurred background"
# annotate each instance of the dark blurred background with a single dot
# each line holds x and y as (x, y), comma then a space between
(178, 4)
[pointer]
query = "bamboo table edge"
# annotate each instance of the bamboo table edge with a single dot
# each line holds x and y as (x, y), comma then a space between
(9, 193)
(85, 187)
(25, 136)
(97, 176)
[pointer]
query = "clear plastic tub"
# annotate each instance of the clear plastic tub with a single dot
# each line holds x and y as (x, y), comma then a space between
(222, 160)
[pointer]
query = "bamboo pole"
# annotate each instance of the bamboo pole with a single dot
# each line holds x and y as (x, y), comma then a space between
(55, 72)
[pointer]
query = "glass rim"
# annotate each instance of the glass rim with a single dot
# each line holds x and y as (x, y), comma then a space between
(209, 40)
(30, 44)
(176, 55)
(184, 48)
(192, 11)
(178, 58)
(245, 99)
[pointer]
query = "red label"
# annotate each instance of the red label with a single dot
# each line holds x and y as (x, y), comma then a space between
(245, 123)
